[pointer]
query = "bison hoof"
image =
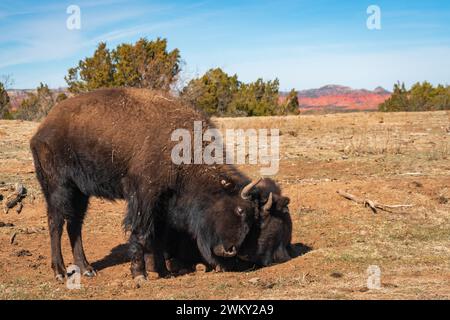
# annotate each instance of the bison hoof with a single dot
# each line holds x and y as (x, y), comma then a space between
(60, 277)
(173, 265)
(200, 268)
(182, 272)
(219, 269)
(89, 273)
(139, 281)
(153, 275)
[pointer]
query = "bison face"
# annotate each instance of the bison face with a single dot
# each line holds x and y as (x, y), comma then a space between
(269, 241)
(236, 219)
(228, 220)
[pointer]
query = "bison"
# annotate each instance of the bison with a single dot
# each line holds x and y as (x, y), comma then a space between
(115, 144)
(268, 242)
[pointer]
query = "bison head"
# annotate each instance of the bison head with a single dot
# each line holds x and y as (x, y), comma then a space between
(269, 240)
(245, 226)
(229, 219)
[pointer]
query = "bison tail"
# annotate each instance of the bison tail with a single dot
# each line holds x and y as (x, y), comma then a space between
(139, 218)
(39, 150)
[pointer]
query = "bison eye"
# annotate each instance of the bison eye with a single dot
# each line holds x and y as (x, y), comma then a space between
(239, 211)
(225, 184)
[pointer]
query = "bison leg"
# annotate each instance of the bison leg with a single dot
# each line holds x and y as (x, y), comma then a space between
(155, 263)
(74, 227)
(66, 202)
(56, 224)
(137, 256)
(74, 231)
(147, 259)
(47, 179)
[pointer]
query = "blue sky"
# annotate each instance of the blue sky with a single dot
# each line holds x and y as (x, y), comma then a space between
(305, 44)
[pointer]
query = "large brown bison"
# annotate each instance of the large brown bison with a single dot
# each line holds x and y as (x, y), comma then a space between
(116, 144)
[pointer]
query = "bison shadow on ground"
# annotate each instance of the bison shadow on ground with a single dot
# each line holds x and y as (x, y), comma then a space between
(119, 255)
(299, 249)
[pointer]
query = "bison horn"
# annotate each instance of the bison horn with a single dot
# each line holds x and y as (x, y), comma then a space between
(269, 203)
(245, 191)
(220, 251)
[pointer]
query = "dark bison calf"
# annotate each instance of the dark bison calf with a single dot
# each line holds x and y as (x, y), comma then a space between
(268, 242)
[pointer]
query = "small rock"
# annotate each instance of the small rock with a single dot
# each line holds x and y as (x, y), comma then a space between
(13, 238)
(23, 253)
(336, 275)
(254, 280)
(116, 283)
(32, 230)
(6, 224)
(442, 199)
(417, 184)
(19, 207)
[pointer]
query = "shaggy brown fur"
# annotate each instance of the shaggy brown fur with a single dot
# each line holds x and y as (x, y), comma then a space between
(115, 144)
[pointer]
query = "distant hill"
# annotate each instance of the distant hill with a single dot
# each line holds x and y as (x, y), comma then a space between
(335, 98)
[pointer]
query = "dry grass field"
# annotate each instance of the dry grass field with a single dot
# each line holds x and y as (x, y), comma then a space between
(397, 158)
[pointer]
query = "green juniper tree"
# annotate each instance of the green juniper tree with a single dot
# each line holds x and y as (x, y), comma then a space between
(218, 93)
(213, 92)
(4, 100)
(37, 105)
(421, 97)
(144, 64)
(291, 104)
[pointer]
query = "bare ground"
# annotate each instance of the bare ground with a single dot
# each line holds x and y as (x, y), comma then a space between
(398, 158)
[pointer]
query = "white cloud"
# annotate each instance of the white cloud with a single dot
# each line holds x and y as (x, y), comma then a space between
(43, 36)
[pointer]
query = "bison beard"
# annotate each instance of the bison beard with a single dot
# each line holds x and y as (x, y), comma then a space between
(115, 144)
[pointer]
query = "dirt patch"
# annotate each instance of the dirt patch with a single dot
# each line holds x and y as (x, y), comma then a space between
(390, 158)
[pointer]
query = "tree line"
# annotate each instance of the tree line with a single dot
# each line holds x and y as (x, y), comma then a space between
(149, 64)
(421, 97)
(34, 107)
(220, 94)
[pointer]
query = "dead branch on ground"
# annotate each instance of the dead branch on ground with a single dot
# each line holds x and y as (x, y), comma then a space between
(373, 205)
(15, 198)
